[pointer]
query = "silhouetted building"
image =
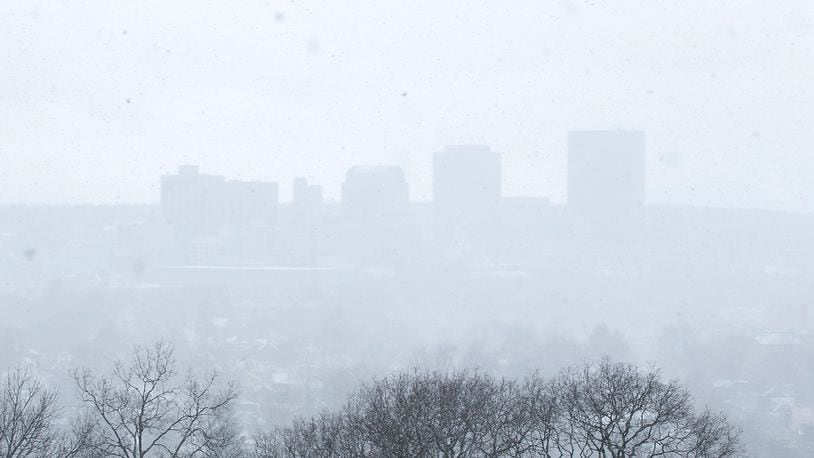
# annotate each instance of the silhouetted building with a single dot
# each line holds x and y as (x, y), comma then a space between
(305, 231)
(197, 204)
(250, 213)
(606, 181)
(214, 220)
(191, 202)
(375, 212)
(250, 203)
(304, 194)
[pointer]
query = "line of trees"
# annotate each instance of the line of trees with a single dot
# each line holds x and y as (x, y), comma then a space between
(604, 409)
(144, 408)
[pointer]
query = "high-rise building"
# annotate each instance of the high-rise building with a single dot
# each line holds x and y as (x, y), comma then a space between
(305, 228)
(375, 214)
(197, 204)
(250, 203)
(305, 195)
(191, 202)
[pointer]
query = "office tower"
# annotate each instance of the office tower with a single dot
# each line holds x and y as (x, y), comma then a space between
(250, 203)
(375, 216)
(196, 204)
(305, 228)
(191, 202)
(305, 195)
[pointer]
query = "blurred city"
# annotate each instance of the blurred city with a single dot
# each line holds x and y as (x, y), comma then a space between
(301, 300)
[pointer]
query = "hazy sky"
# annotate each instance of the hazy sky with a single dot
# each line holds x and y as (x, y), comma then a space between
(98, 98)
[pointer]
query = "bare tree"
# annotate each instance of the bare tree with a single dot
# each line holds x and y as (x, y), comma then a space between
(143, 409)
(389, 410)
(506, 420)
(271, 444)
(327, 435)
(538, 401)
(613, 409)
(596, 410)
(28, 412)
(427, 414)
(413, 415)
(450, 410)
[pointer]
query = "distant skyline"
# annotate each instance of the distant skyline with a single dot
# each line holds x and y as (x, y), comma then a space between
(97, 100)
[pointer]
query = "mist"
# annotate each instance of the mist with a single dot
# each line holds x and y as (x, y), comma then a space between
(312, 198)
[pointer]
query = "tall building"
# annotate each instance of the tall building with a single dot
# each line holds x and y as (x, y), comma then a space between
(375, 214)
(191, 202)
(197, 204)
(250, 203)
(305, 229)
(606, 179)
(304, 194)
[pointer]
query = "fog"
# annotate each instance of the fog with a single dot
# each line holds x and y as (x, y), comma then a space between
(306, 196)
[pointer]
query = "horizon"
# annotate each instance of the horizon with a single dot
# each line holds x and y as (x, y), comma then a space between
(332, 195)
(269, 90)
(321, 201)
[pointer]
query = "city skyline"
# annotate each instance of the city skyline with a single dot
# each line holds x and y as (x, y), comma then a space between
(286, 185)
(331, 188)
(384, 228)
(275, 90)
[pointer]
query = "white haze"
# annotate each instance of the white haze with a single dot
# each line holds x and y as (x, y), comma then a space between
(118, 93)
(306, 195)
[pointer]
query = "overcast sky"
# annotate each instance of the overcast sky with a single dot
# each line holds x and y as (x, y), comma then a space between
(98, 98)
